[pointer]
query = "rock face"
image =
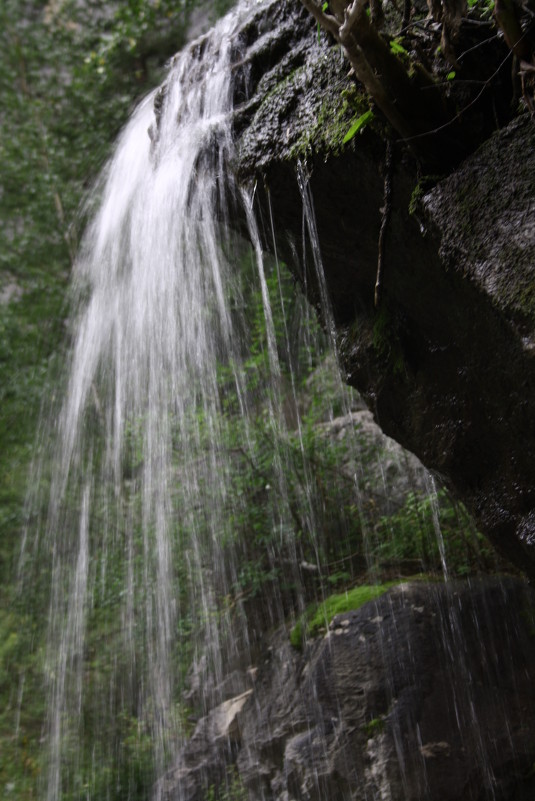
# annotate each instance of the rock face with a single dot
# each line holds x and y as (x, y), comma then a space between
(422, 695)
(447, 362)
(388, 473)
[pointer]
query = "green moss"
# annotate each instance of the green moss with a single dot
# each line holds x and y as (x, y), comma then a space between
(424, 185)
(341, 105)
(281, 88)
(374, 727)
(335, 120)
(318, 616)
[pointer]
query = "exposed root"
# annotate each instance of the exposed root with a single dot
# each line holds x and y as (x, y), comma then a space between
(385, 218)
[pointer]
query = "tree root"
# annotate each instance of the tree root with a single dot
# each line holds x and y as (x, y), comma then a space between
(385, 218)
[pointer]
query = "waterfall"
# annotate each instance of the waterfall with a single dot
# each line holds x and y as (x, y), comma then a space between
(187, 513)
(143, 508)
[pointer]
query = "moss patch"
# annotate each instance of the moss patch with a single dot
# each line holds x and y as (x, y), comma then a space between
(318, 616)
(374, 727)
(335, 117)
(302, 106)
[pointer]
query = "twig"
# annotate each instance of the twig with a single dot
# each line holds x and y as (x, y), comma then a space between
(406, 14)
(478, 45)
(352, 16)
(328, 22)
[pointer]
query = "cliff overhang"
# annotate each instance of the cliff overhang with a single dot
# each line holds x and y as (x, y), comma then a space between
(446, 362)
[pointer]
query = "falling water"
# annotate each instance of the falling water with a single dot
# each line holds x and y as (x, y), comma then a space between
(143, 512)
(182, 486)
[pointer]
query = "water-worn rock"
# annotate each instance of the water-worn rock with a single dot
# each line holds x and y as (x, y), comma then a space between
(386, 473)
(447, 362)
(424, 694)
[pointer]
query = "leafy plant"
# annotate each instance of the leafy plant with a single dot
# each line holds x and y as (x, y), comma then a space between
(374, 727)
(427, 524)
(359, 125)
(397, 48)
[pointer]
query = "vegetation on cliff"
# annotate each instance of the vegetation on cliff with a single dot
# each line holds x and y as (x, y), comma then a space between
(413, 70)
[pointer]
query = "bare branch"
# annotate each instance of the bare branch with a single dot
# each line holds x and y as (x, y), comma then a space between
(352, 16)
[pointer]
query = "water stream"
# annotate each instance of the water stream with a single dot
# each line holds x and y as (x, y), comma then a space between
(185, 498)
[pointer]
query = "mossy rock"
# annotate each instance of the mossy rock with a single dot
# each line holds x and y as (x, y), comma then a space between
(318, 615)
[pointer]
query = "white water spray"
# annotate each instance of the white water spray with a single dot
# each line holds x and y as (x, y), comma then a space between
(154, 288)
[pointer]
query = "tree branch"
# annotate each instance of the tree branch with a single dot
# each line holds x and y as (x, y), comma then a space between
(352, 16)
(397, 93)
(327, 21)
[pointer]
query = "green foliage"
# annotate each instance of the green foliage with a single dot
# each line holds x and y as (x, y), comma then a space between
(220, 7)
(359, 125)
(22, 708)
(423, 526)
(484, 7)
(374, 727)
(324, 7)
(397, 48)
(286, 491)
(69, 73)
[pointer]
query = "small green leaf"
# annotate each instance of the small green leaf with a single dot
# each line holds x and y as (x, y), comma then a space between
(324, 7)
(451, 75)
(397, 48)
(358, 125)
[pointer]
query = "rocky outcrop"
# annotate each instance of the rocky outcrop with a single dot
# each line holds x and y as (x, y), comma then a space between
(387, 473)
(422, 695)
(447, 361)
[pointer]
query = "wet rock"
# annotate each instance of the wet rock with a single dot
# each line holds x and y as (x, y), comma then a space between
(387, 473)
(205, 693)
(223, 720)
(9, 293)
(424, 694)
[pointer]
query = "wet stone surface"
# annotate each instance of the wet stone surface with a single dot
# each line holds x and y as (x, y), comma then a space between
(424, 694)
